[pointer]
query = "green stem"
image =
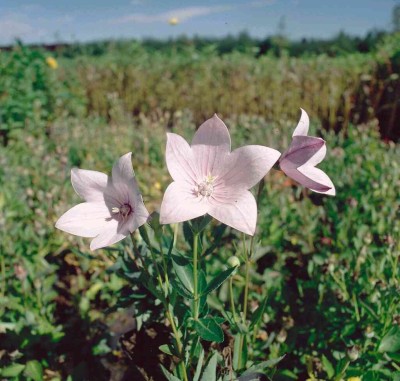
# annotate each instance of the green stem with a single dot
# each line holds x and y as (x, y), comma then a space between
(395, 264)
(3, 277)
(169, 314)
(195, 277)
(246, 289)
(171, 320)
(231, 298)
(342, 372)
(356, 310)
(248, 256)
(164, 266)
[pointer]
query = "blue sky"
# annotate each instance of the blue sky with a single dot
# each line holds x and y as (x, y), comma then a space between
(83, 20)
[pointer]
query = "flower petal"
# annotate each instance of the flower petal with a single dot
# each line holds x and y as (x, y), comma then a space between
(140, 214)
(302, 126)
(317, 180)
(181, 204)
(236, 210)
(89, 185)
(309, 176)
(116, 230)
(180, 160)
(246, 166)
(302, 149)
(122, 171)
(318, 156)
(111, 234)
(85, 220)
(123, 188)
(210, 144)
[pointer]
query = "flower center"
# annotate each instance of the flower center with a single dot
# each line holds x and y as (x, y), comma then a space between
(206, 187)
(124, 210)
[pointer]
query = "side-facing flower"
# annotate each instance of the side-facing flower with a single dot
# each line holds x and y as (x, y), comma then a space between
(113, 206)
(210, 179)
(304, 153)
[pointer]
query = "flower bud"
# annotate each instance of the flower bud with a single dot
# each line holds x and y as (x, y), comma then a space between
(353, 352)
(281, 336)
(234, 261)
(369, 332)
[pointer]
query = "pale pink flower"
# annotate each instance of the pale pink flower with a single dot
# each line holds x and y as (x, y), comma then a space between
(209, 178)
(113, 206)
(304, 153)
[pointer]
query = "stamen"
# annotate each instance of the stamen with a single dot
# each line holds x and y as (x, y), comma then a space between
(124, 210)
(206, 188)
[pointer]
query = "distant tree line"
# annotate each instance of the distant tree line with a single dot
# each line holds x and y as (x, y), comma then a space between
(277, 45)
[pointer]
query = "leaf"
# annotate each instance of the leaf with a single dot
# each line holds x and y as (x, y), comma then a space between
(239, 362)
(168, 375)
(258, 314)
(263, 365)
(218, 280)
(210, 373)
(34, 370)
(144, 235)
(165, 349)
(180, 289)
(188, 233)
(199, 366)
(391, 341)
(253, 377)
(200, 223)
(208, 329)
(184, 272)
(328, 367)
(13, 370)
(218, 232)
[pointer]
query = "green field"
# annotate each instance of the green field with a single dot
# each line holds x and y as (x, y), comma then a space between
(329, 266)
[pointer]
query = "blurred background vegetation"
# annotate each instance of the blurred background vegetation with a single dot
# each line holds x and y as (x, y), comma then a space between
(329, 265)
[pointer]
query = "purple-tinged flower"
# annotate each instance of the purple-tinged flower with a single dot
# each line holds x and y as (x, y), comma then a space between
(304, 153)
(209, 178)
(113, 206)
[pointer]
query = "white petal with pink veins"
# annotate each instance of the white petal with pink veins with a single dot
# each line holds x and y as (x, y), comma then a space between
(304, 153)
(211, 143)
(180, 160)
(89, 185)
(85, 220)
(109, 235)
(302, 126)
(246, 166)
(122, 171)
(180, 203)
(317, 180)
(238, 210)
(115, 209)
(302, 149)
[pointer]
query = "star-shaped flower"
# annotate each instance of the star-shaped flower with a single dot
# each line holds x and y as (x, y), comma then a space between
(209, 178)
(304, 153)
(113, 207)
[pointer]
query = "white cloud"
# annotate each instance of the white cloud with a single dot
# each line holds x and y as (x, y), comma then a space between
(182, 14)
